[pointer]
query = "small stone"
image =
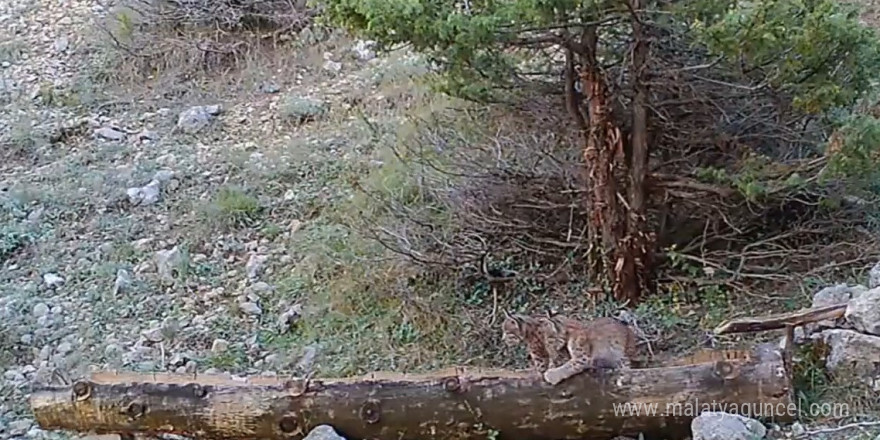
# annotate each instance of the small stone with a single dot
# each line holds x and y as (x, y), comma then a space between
(110, 134)
(19, 427)
(142, 244)
(168, 262)
(219, 346)
(272, 360)
(150, 193)
(711, 425)
(364, 50)
(250, 308)
(52, 280)
(308, 359)
(261, 287)
(290, 317)
(35, 215)
(178, 360)
(269, 88)
(324, 432)
(196, 118)
(332, 66)
(101, 437)
(147, 135)
(61, 44)
(255, 265)
(40, 309)
(163, 176)
(64, 348)
(123, 281)
(170, 327)
(145, 195)
(112, 350)
(153, 334)
(302, 110)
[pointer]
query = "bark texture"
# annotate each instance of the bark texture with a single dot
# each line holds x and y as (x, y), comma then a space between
(450, 404)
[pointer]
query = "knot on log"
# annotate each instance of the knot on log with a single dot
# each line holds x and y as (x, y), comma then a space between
(726, 370)
(199, 391)
(452, 384)
(135, 410)
(82, 391)
(370, 411)
(287, 424)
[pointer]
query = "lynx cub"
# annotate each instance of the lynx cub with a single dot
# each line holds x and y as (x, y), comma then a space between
(604, 343)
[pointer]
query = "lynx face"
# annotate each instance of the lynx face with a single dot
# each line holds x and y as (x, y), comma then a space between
(511, 333)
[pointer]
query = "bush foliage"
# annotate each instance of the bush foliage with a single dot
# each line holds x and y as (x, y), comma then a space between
(744, 96)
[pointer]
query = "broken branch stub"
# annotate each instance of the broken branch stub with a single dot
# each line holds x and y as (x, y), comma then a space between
(781, 320)
(456, 403)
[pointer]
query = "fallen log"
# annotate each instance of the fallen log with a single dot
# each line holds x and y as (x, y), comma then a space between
(456, 403)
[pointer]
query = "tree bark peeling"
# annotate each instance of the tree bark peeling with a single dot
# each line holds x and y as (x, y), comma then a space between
(455, 403)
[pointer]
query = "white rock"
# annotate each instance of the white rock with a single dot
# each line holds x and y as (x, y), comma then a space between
(308, 358)
(153, 334)
(726, 426)
(325, 432)
(364, 50)
(196, 118)
(219, 346)
(64, 348)
(123, 281)
(831, 295)
(19, 427)
(863, 312)
(145, 195)
(40, 310)
(250, 308)
(61, 44)
(163, 176)
(110, 134)
(255, 265)
(167, 262)
(874, 276)
(851, 350)
(52, 280)
(150, 193)
(289, 317)
(332, 66)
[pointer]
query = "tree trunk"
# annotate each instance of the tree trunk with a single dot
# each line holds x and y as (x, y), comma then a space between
(637, 269)
(619, 229)
(450, 404)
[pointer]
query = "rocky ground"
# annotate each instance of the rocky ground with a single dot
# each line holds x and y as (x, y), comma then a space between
(177, 226)
(193, 225)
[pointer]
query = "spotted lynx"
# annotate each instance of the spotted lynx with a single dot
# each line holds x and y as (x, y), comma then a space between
(602, 344)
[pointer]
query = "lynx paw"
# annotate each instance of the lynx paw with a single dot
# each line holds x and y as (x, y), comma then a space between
(552, 377)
